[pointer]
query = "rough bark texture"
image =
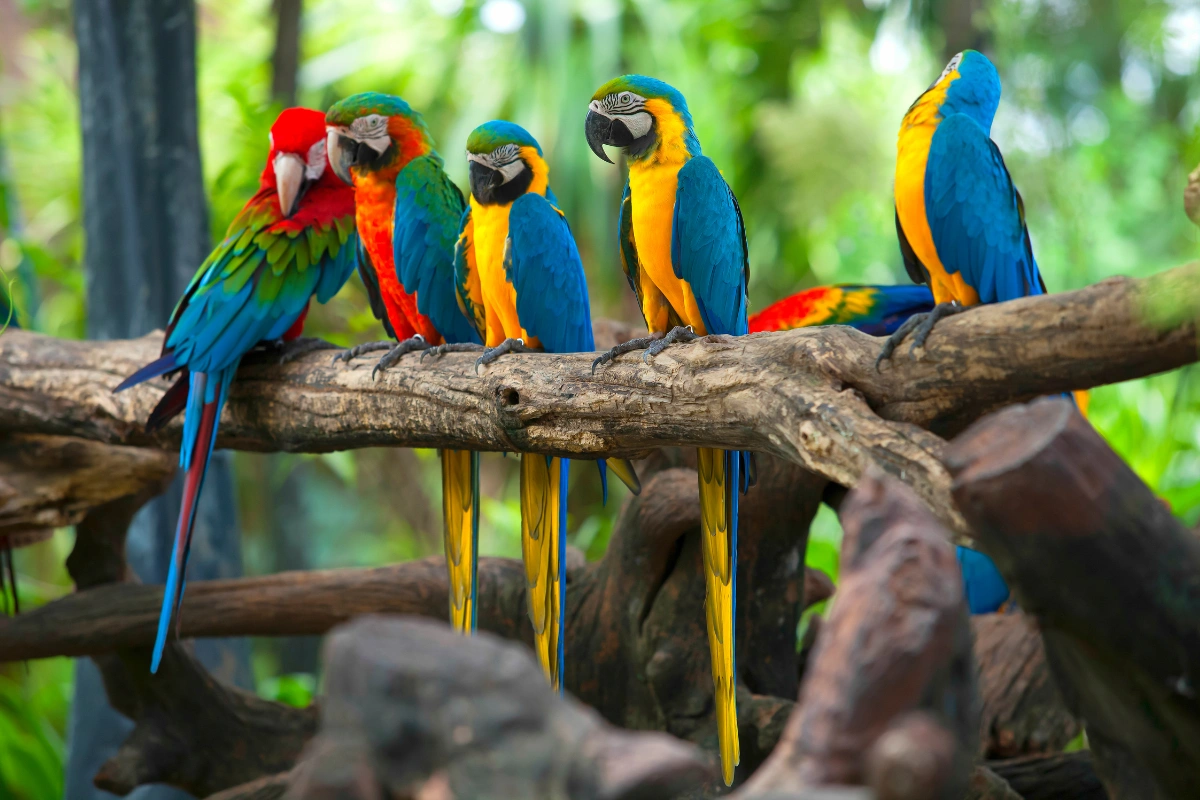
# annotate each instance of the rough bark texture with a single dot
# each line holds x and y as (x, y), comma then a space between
(1086, 543)
(1062, 776)
(892, 674)
(811, 396)
(1023, 712)
(53, 481)
(396, 722)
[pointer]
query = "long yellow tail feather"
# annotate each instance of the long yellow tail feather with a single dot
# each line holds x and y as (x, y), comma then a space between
(540, 546)
(460, 511)
(716, 545)
(623, 469)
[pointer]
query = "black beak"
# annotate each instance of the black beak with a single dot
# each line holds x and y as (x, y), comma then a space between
(598, 130)
(484, 181)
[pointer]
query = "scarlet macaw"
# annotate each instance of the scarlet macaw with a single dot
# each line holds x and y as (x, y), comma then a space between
(408, 212)
(520, 280)
(874, 310)
(683, 248)
(292, 241)
(961, 225)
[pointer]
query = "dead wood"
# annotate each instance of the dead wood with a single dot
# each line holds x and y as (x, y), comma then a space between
(1062, 776)
(891, 676)
(782, 393)
(1086, 543)
(1023, 712)
(52, 481)
(413, 710)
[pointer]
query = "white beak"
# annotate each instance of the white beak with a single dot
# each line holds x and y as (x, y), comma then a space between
(289, 180)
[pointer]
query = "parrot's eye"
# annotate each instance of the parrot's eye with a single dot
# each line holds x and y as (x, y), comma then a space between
(624, 99)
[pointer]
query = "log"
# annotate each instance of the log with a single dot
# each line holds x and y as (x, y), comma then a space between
(53, 481)
(1023, 712)
(812, 396)
(413, 710)
(1062, 776)
(1110, 576)
(891, 675)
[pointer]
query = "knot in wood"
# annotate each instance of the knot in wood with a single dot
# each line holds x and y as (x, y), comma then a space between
(508, 396)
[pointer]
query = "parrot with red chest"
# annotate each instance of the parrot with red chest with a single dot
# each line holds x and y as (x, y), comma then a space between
(294, 240)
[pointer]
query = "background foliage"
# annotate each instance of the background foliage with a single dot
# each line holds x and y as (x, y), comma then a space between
(798, 102)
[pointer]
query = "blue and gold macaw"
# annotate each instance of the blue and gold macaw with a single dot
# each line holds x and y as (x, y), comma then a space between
(521, 281)
(961, 225)
(683, 248)
(407, 215)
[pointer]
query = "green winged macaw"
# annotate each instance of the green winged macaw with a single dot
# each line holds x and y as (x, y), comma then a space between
(521, 281)
(683, 248)
(294, 240)
(961, 225)
(408, 213)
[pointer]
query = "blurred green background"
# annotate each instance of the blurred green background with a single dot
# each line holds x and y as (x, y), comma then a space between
(797, 102)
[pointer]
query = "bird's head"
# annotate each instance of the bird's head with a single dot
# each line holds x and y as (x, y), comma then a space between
(297, 158)
(644, 116)
(370, 132)
(968, 85)
(505, 162)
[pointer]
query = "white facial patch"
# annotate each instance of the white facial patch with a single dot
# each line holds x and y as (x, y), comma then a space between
(372, 131)
(628, 107)
(314, 163)
(953, 65)
(505, 159)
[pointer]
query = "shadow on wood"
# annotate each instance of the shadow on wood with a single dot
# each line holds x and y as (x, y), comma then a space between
(1110, 577)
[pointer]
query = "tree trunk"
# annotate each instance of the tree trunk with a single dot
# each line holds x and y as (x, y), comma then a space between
(147, 230)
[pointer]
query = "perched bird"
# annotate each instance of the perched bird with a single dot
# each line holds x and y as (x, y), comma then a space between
(961, 225)
(875, 310)
(683, 248)
(408, 213)
(521, 281)
(292, 241)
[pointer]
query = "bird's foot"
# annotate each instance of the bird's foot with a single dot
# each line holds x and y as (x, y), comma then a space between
(625, 347)
(442, 349)
(414, 342)
(290, 351)
(507, 346)
(920, 326)
(677, 335)
(360, 349)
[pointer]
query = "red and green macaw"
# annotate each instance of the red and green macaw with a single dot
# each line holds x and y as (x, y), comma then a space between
(683, 248)
(875, 310)
(521, 282)
(962, 231)
(292, 241)
(408, 213)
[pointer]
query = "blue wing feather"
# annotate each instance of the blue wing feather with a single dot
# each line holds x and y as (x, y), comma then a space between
(708, 246)
(543, 265)
(975, 213)
(428, 210)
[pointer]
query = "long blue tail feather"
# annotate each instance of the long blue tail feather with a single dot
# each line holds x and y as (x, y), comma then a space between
(160, 366)
(564, 472)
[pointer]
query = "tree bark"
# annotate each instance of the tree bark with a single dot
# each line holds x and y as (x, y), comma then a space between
(1087, 543)
(285, 58)
(781, 393)
(890, 700)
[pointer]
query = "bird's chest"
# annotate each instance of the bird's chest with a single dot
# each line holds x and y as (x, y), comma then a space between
(491, 232)
(653, 193)
(912, 158)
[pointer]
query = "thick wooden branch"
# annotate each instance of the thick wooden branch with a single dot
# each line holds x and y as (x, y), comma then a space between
(890, 697)
(784, 393)
(412, 710)
(52, 481)
(1109, 575)
(1062, 776)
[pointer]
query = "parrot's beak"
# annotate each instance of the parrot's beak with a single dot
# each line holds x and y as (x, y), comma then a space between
(484, 180)
(289, 182)
(598, 130)
(342, 151)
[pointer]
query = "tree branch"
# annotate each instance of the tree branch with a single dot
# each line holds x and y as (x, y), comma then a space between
(783, 393)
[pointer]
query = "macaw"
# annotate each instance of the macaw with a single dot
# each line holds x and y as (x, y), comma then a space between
(292, 241)
(408, 213)
(874, 310)
(961, 225)
(521, 282)
(683, 248)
